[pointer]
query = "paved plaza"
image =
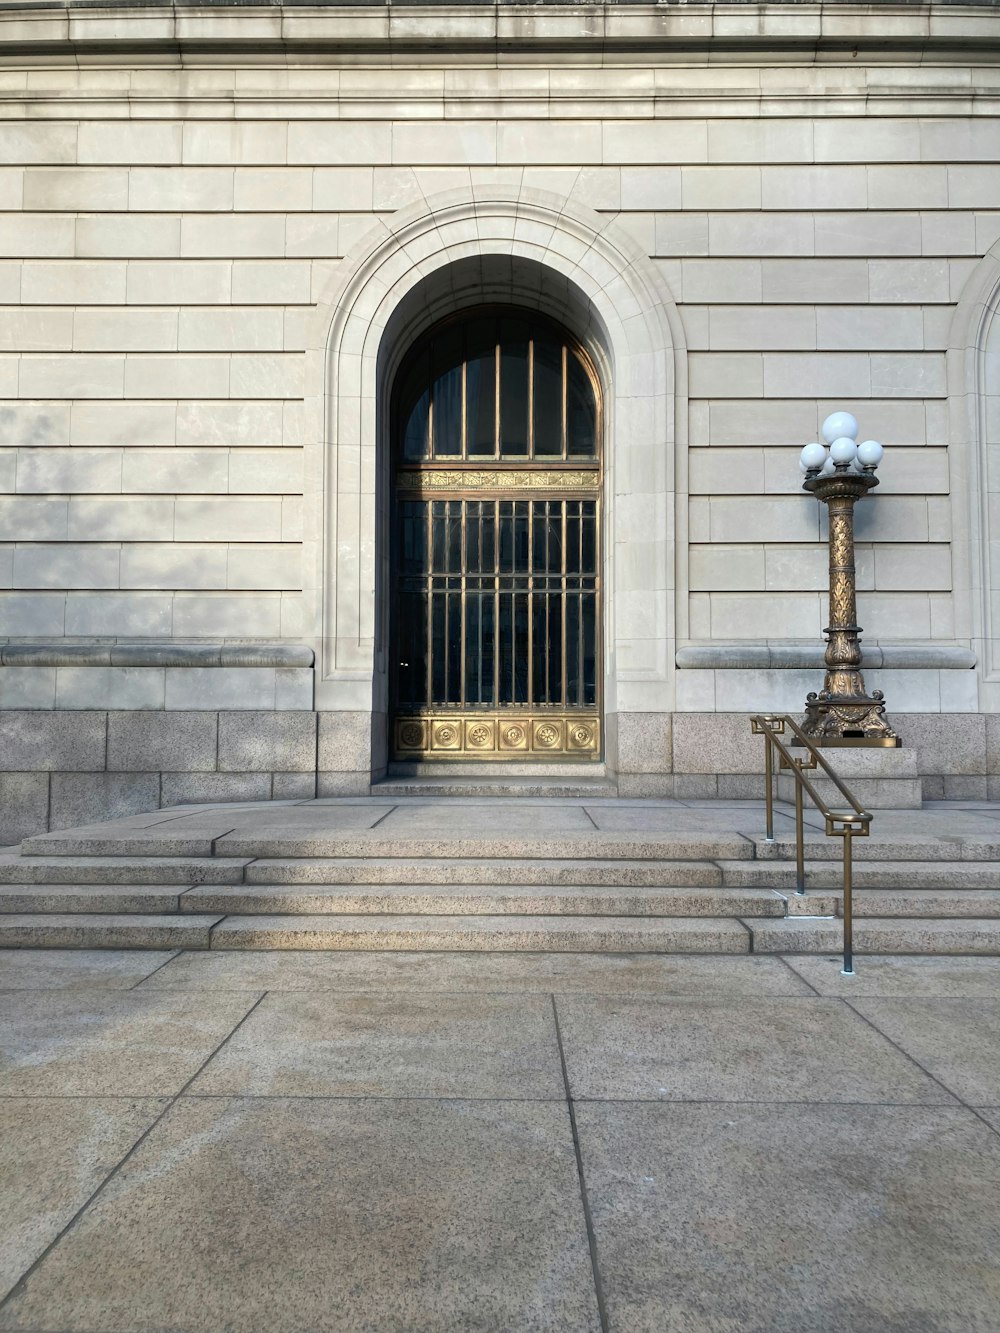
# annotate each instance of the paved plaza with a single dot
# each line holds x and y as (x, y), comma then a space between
(291, 1140)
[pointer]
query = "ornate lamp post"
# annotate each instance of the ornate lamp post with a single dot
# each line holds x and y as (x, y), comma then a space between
(843, 713)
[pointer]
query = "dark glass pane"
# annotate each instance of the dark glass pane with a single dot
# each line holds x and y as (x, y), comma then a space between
(413, 537)
(554, 603)
(439, 641)
(590, 537)
(514, 334)
(520, 648)
(439, 511)
(481, 386)
(572, 536)
(581, 411)
(572, 647)
(412, 645)
(505, 630)
(453, 686)
(521, 536)
(589, 648)
(505, 537)
(454, 537)
(548, 397)
(414, 404)
(539, 648)
(447, 421)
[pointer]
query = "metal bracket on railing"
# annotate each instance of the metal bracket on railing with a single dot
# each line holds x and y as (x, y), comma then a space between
(848, 825)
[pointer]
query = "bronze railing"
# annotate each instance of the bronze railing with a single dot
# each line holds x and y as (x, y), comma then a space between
(845, 824)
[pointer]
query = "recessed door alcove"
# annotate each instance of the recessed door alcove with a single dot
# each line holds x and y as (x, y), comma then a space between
(495, 542)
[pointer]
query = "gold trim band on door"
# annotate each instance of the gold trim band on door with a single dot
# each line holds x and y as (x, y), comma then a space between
(512, 479)
(504, 734)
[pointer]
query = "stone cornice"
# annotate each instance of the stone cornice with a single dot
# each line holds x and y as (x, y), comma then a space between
(825, 30)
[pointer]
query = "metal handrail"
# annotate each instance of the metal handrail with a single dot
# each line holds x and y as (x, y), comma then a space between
(839, 823)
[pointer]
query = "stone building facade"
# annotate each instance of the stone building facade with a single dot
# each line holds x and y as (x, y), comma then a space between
(228, 234)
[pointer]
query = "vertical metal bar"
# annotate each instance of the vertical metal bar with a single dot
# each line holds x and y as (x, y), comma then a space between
(463, 594)
(496, 394)
(497, 537)
(531, 396)
(563, 412)
(429, 663)
(848, 969)
(531, 603)
(579, 609)
(768, 787)
(800, 849)
(565, 598)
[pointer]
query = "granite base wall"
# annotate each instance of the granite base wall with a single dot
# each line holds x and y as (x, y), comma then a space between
(60, 769)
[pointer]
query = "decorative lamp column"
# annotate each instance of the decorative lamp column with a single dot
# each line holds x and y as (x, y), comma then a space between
(843, 713)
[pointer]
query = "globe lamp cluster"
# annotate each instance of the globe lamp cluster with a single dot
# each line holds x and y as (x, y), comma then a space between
(841, 454)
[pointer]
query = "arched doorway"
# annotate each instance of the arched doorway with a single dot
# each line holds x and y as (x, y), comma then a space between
(496, 603)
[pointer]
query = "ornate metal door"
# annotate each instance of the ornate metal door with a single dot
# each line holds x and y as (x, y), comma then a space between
(497, 542)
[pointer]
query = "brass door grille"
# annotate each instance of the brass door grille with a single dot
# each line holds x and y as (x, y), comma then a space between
(498, 625)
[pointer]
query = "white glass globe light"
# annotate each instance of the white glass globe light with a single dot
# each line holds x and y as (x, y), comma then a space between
(812, 456)
(870, 453)
(838, 425)
(828, 468)
(843, 450)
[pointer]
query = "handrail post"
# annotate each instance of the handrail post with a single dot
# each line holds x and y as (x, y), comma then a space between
(800, 842)
(768, 786)
(848, 968)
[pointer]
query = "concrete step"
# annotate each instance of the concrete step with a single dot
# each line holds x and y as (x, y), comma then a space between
(471, 900)
(550, 934)
(117, 898)
(877, 935)
(466, 871)
(158, 870)
(690, 845)
(960, 846)
(980, 904)
(87, 931)
(780, 875)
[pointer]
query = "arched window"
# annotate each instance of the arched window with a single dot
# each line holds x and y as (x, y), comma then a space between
(497, 385)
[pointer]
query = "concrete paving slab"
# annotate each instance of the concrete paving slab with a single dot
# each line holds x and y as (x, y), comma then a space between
(607, 974)
(780, 1218)
(486, 819)
(54, 1153)
(956, 1040)
(686, 1049)
(281, 1215)
(344, 1045)
(69, 969)
(890, 975)
(86, 1043)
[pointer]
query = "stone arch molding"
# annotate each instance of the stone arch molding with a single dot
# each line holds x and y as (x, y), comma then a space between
(537, 248)
(974, 466)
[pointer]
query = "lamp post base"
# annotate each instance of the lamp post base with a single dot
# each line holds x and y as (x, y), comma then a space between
(845, 719)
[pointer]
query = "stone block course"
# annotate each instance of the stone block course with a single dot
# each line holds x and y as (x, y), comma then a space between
(46, 742)
(267, 742)
(162, 742)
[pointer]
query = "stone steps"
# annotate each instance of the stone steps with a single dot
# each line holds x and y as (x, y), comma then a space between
(471, 900)
(780, 875)
(548, 934)
(619, 873)
(802, 934)
(331, 900)
(154, 870)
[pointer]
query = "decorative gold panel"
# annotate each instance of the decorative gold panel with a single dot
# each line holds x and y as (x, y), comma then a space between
(512, 479)
(501, 734)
